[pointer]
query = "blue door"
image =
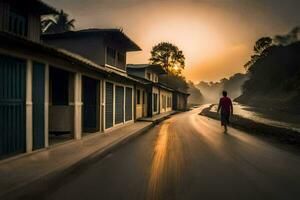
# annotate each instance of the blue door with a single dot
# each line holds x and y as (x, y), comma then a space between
(128, 104)
(12, 106)
(119, 114)
(109, 105)
(38, 100)
(90, 98)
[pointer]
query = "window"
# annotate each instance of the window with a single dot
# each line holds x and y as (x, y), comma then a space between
(17, 23)
(138, 97)
(110, 56)
(149, 76)
(155, 79)
(121, 61)
(169, 102)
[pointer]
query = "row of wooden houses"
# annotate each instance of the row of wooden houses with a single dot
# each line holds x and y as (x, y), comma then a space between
(68, 85)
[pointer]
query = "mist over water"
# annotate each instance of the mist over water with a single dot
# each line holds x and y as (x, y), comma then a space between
(212, 91)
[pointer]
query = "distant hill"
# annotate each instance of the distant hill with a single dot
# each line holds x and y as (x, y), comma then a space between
(196, 96)
(274, 79)
(212, 90)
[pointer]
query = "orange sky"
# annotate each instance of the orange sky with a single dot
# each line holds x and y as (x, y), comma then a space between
(216, 35)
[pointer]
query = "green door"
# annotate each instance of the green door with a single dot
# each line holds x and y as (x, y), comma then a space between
(12, 106)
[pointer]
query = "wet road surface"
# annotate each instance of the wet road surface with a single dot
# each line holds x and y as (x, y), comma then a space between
(188, 157)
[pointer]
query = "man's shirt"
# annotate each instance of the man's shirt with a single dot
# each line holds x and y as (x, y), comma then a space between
(226, 105)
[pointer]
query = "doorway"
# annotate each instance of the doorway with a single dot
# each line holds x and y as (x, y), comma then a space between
(91, 105)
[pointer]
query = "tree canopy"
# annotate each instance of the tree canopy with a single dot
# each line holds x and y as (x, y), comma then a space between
(262, 45)
(58, 23)
(274, 72)
(260, 49)
(169, 57)
(292, 37)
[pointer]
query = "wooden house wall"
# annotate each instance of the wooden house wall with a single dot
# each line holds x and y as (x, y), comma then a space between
(89, 47)
(4, 16)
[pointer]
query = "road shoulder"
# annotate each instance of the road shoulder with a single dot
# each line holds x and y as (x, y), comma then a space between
(283, 134)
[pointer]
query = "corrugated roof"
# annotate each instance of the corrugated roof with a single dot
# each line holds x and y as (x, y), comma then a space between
(81, 58)
(141, 80)
(156, 68)
(46, 9)
(130, 45)
(138, 66)
(123, 74)
(36, 6)
(5, 36)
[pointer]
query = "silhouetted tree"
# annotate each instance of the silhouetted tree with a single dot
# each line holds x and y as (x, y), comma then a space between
(169, 57)
(262, 44)
(260, 48)
(292, 37)
(176, 82)
(274, 80)
(58, 23)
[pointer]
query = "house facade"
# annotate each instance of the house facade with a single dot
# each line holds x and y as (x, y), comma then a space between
(159, 98)
(51, 95)
(26, 67)
(108, 49)
(59, 87)
(180, 100)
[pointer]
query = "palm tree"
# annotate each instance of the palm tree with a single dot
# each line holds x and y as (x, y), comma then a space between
(58, 23)
(169, 57)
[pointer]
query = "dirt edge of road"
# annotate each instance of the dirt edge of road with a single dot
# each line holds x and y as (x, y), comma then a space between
(282, 134)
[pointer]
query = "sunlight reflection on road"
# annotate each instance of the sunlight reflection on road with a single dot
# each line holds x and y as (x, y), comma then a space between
(159, 159)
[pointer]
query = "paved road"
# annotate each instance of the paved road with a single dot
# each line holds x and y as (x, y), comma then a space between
(188, 157)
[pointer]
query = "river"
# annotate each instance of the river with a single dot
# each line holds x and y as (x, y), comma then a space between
(267, 116)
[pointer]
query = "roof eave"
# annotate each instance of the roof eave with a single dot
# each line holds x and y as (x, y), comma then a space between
(130, 45)
(46, 9)
(54, 51)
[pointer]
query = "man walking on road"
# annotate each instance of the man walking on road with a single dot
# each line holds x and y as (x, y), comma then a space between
(225, 105)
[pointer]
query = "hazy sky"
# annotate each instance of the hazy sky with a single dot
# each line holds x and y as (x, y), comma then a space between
(217, 36)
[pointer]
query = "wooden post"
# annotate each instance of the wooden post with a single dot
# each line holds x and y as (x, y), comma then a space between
(29, 121)
(47, 105)
(77, 106)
